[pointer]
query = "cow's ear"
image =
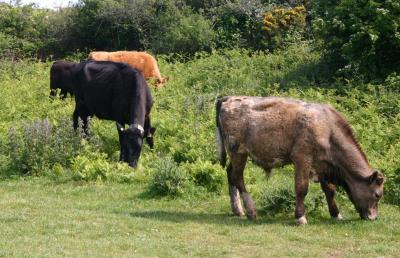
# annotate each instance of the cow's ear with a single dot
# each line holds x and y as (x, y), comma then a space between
(376, 177)
(152, 130)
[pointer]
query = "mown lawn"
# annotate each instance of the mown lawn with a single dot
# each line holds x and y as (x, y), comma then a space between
(40, 217)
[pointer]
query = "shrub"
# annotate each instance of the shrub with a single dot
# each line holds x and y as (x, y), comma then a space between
(281, 24)
(239, 24)
(169, 178)
(38, 146)
(360, 37)
(91, 166)
(207, 175)
(22, 30)
(184, 32)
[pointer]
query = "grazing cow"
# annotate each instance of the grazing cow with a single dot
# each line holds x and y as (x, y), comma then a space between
(142, 61)
(118, 92)
(314, 137)
(60, 78)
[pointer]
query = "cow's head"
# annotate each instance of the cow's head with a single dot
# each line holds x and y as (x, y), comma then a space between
(131, 141)
(161, 82)
(365, 194)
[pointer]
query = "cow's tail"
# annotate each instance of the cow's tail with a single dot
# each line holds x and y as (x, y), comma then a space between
(219, 134)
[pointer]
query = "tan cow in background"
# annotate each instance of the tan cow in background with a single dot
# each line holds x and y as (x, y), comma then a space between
(142, 61)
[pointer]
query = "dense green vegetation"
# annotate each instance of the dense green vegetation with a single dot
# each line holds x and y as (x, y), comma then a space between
(360, 37)
(38, 138)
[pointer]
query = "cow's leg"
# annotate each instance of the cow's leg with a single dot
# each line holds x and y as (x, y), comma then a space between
(120, 128)
(236, 205)
(75, 118)
(238, 162)
(234, 170)
(329, 190)
(85, 121)
(301, 188)
(149, 131)
(84, 117)
(63, 94)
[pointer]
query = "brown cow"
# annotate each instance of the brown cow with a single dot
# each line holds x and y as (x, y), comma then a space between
(142, 61)
(314, 137)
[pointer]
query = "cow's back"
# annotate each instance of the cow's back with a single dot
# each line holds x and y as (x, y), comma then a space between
(142, 61)
(108, 90)
(103, 85)
(99, 56)
(269, 128)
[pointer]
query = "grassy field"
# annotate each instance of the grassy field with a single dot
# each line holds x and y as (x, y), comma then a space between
(42, 218)
(64, 196)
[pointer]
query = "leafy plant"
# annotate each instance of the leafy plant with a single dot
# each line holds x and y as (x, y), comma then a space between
(207, 175)
(39, 146)
(169, 178)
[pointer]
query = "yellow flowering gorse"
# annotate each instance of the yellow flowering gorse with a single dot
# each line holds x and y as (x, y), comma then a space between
(283, 18)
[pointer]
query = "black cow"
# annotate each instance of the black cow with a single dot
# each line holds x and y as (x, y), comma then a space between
(115, 91)
(61, 78)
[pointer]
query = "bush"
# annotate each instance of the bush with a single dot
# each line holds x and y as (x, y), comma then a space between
(184, 32)
(207, 175)
(38, 146)
(239, 24)
(360, 37)
(22, 31)
(282, 24)
(164, 27)
(91, 167)
(169, 178)
(111, 24)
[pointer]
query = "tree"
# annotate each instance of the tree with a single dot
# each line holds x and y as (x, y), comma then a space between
(361, 37)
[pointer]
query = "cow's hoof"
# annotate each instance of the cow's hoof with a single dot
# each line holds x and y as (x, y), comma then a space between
(301, 221)
(238, 213)
(338, 217)
(252, 215)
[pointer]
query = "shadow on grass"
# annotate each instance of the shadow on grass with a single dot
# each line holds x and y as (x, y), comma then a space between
(208, 218)
(229, 219)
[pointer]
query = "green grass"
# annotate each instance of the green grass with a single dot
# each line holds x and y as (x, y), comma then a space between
(42, 218)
